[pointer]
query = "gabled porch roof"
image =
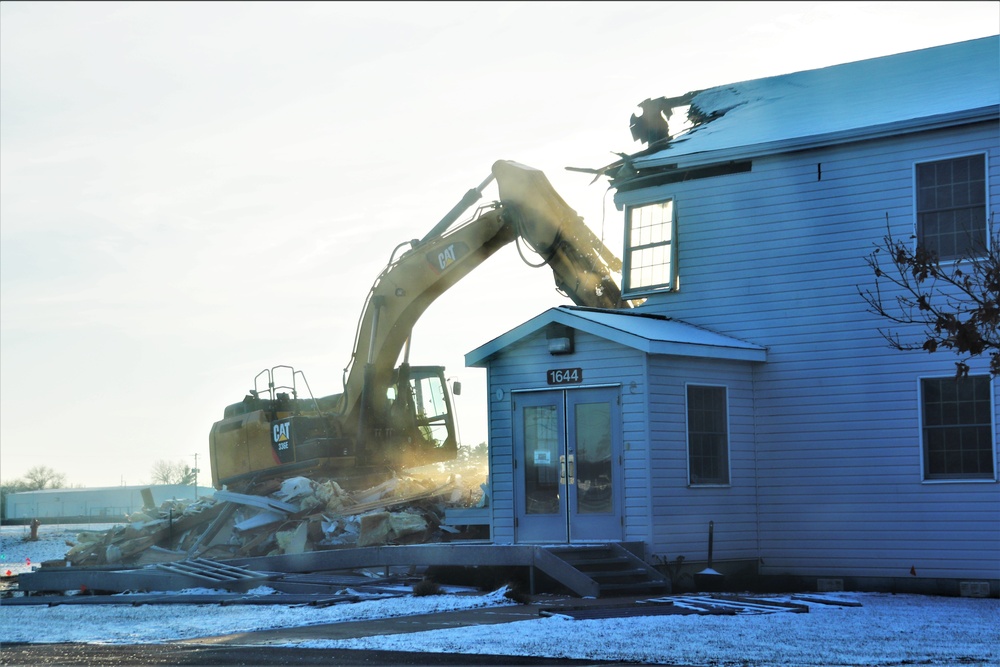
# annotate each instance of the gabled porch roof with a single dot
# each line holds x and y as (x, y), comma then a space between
(652, 334)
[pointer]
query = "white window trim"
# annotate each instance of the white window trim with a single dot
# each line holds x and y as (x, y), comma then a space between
(920, 434)
(673, 285)
(916, 213)
(687, 441)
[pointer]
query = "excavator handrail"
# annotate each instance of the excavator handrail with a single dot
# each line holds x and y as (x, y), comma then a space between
(272, 388)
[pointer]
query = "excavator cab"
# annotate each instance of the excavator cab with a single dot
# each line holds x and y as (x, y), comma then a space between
(419, 423)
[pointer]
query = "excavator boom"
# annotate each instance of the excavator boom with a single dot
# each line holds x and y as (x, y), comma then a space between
(529, 210)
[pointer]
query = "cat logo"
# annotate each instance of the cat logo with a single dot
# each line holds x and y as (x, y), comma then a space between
(446, 257)
(441, 260)
(281, 441)
(279, 433)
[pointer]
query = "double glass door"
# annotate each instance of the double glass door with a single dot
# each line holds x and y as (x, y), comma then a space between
(567, 465)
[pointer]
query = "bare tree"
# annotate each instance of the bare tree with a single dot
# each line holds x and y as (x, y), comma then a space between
(36, 479)
(171, 472)
(43, 477)
(955, 307)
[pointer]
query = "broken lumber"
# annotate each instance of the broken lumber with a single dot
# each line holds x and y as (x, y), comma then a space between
(260, 502)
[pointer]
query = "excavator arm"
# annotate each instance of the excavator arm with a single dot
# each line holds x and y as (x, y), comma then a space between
(529, 211)
(580, 262)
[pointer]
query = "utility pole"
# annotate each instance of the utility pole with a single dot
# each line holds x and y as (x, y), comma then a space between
(195, 471)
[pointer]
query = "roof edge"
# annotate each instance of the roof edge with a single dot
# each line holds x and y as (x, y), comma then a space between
(737, 351)
(898, 128)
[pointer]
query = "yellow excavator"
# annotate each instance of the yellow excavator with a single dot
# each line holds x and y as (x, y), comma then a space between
(394, 417)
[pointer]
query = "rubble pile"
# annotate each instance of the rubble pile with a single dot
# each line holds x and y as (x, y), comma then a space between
(299, 514)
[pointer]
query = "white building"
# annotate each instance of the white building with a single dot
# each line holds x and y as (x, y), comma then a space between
(752, 387)
(109, 504)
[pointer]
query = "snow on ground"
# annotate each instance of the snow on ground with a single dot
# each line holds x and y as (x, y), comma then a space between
(887, 630)
(153, 624)
(19, 554)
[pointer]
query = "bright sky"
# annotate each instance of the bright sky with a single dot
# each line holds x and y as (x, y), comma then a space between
(193, 192)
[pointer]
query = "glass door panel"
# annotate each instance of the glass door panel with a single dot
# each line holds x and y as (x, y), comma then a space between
(542, 452)
(593, 442)
(594, 484)
(567, 447)
(539, 467)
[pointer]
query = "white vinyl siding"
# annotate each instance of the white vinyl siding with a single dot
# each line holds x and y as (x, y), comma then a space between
(681, 512)
(775, 257)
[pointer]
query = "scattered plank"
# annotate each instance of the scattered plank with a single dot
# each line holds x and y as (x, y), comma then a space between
(223, 516)
(260, 502)
(830, 601)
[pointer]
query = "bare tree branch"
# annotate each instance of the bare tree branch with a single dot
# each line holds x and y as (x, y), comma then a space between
(955, 307)
(171, 472)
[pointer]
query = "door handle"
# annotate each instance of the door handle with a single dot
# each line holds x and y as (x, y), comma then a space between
(571, 465)
(562, 470)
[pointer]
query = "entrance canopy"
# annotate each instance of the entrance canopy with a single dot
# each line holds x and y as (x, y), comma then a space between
(652, 334)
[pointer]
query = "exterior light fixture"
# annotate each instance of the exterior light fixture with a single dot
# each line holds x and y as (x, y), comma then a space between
(560, 339)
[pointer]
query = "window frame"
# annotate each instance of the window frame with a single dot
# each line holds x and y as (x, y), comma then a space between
(672, 283)
(925, 477)
(727, 444)
(917, 229)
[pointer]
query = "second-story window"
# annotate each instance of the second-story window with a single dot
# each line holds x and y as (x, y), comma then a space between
(650, 250)
(951, 207)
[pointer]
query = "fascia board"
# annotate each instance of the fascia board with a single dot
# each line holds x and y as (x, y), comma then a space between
(728, 353)
(478, 357)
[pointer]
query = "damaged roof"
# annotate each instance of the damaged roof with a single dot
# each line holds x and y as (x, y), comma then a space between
(652, 334)
(867, 99)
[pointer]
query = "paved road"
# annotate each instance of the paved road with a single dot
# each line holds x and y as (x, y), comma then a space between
(103, 655)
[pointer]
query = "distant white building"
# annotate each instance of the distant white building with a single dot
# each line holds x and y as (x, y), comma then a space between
(103, 504)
